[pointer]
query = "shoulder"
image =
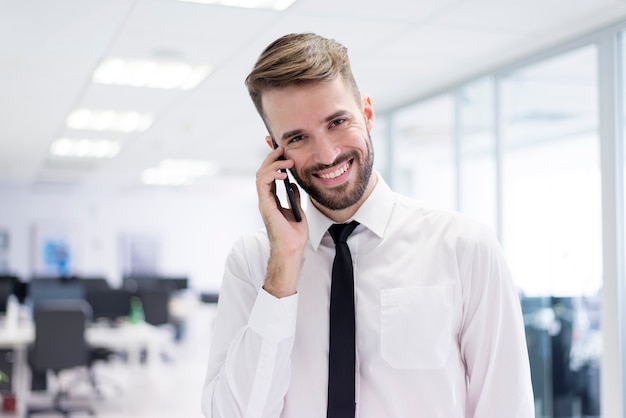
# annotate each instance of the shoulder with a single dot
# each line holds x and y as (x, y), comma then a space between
(249, 254)
(451, 226)
(251, 245)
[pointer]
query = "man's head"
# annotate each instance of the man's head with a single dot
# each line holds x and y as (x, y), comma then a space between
(304, 90)
(297, 59)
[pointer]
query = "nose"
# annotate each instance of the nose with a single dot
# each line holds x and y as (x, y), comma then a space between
(326, 150)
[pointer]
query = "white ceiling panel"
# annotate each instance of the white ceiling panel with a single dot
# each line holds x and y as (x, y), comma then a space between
(400, 49)
(390, 11)
(524, 16)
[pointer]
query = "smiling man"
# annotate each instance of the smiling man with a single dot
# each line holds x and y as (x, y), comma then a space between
(412, 313)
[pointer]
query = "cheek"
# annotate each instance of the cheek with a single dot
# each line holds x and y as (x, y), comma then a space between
(298, 163)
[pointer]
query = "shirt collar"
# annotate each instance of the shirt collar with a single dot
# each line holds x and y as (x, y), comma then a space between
(373, 214)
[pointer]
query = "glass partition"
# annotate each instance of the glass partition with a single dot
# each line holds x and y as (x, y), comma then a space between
(380, 142)
(622, 99)
(424, 153)
(551, 224)
(477, 151)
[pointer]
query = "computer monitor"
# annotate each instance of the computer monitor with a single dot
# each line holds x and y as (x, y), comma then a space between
(174, 283)
(42, 290)
(147, 282)
(20, 287)
(136, 283)
(92, 283)
(109, 304)
(6, 290)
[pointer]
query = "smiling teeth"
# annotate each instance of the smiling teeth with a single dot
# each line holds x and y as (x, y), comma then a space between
(335, 173)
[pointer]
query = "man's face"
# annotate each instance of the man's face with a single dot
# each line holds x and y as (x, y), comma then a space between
(325, 130)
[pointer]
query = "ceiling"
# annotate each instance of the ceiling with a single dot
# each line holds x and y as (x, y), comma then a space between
(400, 50)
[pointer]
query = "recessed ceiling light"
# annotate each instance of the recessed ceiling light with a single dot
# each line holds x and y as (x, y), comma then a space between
(249, 4)
(109, 120)
(85, 148)
(151, 74)
(172, 172)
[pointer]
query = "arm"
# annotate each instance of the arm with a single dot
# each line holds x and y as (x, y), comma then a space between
(287, 237)
(493, 341)
(249, 370)
(249, 363)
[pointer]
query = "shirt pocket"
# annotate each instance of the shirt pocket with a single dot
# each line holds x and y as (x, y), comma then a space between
(416, 326)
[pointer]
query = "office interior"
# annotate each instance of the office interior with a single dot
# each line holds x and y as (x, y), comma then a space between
(510, 112)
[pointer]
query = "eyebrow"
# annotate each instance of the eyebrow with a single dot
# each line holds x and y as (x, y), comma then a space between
(328, 118)
(289, 134)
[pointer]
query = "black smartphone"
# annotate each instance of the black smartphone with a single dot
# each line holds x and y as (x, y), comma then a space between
(290, 195)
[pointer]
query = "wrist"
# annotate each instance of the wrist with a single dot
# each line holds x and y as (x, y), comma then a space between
(282, 274)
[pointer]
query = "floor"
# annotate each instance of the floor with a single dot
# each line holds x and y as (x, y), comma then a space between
(169, 389)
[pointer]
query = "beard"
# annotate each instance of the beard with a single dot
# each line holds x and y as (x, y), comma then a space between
(345, 195)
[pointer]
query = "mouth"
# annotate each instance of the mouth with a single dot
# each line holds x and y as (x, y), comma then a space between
(336, 175)
(335, 172)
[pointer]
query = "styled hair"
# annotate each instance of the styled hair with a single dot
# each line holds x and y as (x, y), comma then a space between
(297, 59)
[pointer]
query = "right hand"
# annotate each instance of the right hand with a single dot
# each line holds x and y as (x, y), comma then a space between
(287, 237)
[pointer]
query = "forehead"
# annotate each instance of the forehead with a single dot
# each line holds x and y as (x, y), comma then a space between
(308, 103)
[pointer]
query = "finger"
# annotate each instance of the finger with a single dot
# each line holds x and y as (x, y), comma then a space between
(276, 159)
(269, 172)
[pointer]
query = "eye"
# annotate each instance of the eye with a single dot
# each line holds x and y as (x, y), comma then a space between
(296, 138)
(337, 122)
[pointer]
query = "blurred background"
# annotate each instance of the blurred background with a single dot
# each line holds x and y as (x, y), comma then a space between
(129, 145)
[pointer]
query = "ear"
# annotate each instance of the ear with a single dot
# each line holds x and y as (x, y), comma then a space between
(268, 141)
(368, 111)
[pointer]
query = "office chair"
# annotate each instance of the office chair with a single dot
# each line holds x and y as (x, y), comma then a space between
(155, 305)
(108, 305)
(6, 290)
(59, 345)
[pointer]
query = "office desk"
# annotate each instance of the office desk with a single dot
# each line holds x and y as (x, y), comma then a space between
(17, 338)
(129, 338)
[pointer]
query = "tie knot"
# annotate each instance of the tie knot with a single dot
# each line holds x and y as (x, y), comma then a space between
(341, 232)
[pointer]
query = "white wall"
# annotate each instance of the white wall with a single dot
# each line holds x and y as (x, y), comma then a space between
(196, 230)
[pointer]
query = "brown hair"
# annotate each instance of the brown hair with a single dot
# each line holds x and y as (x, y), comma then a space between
(296, 59)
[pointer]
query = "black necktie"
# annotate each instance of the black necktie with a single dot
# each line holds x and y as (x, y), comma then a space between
(341, 356)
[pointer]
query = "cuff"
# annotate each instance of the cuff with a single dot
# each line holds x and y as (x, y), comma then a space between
(274, 318)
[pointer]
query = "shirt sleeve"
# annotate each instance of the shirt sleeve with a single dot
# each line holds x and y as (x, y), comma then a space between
(248, 371)
(492, 339)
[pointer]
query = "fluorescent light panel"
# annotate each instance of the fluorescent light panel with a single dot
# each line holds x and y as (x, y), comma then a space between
(85, 148)
(150, 74)
(109, 120)
(173, 172)
(249, 4)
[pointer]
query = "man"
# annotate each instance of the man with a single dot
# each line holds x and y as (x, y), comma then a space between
(438, 327)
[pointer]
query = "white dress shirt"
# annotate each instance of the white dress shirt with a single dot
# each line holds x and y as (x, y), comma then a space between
(439, 331)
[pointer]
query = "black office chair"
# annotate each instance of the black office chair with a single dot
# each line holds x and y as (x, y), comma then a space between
(6, 290)
(109, 306)
(59, 345)
(155, 305)
(101, 354)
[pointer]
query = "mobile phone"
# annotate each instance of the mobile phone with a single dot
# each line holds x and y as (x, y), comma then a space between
(290, 194)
